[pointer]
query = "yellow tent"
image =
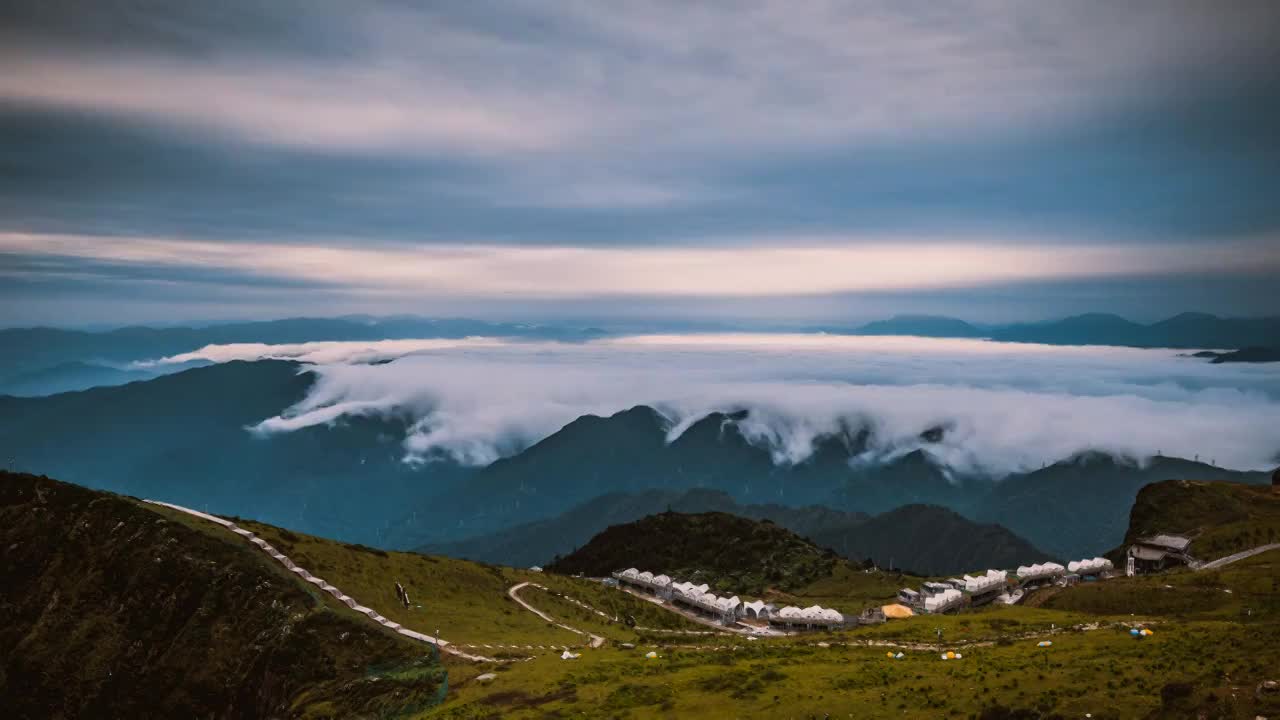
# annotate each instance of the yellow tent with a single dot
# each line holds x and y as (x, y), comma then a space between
(897, 612)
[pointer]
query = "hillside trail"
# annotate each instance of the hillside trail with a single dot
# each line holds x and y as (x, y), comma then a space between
(440, 643)
(689, 615)
(1243, 554)
(595, 640)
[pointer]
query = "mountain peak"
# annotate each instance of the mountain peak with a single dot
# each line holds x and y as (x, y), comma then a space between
(727, 551)
(920, 325)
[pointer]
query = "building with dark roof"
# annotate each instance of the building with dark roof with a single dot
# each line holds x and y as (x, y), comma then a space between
(1156, 553)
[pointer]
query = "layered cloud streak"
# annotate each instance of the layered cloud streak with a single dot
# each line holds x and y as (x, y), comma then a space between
(1005, 407)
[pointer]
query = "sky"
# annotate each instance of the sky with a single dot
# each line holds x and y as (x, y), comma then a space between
(1004, 407)
(739, 162)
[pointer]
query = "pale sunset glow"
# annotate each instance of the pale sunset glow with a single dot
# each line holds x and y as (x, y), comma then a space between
(534, 162)
(754, 270)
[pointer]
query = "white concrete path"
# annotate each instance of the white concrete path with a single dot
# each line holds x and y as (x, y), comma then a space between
(595, 640)
(1213, 564)
(341, 597)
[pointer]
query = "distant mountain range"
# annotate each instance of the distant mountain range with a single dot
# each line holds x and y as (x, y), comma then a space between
(931, 540)
(184, 438)
(923, 538)
(1244, 355)
(1187, 330)
(44, 360)
(1080, 506)
(921, 325)
(728, 552)
(69, 376)
(537, 542)
(1074, 507)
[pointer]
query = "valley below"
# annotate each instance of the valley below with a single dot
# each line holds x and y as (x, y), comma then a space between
(139, 605)
(444, 527)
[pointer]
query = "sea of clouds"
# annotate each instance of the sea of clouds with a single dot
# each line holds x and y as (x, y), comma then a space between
(1006, 406)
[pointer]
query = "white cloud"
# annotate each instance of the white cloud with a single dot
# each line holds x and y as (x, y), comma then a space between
(324, 352)
(773, 266)
(634, 79)
(1009, 406)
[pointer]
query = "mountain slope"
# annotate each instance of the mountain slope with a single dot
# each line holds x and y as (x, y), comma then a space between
(923, 538)
(67, 377)
(1221, 518)
(725, 551)
(628, 452)
(184, 438)
(922, 326)
(1080, 507)
(930, 540)
(1188, 330)
(914, 478)
(1248, 355)
(25, 350)
(111, 609)
(537, 542)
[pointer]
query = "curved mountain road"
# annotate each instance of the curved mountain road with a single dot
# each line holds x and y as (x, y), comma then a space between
(595, 640)
(1214, 564)
(373, 615)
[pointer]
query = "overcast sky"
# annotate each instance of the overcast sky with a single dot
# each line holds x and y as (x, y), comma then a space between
(776, 162)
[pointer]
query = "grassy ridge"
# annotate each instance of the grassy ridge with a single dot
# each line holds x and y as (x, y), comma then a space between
(1176, 673)
(1222, 518)
(467, 602)
(112, 608)
(730, 553)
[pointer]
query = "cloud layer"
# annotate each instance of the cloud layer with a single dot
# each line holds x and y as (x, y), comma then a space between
(1007, 406)
(575, 78)
(533, 150)
(812, 265)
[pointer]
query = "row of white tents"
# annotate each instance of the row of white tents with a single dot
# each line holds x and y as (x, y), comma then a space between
(1090, 566)
(696, 596)
(727, 609)
(982, 584)
(937, 597)
(943, 601)
(813, 615)
(657, 583)
(1040, 571)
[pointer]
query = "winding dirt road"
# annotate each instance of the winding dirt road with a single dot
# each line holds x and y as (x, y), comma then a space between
(595, 641)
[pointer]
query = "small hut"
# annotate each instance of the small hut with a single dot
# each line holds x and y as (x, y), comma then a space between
(1156, 553)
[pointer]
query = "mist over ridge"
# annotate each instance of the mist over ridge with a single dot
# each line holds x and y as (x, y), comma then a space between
(977, 406)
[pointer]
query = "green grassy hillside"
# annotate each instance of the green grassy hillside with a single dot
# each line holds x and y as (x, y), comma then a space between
(1247, 591)
(730, 553)
(466, 602)
(111, 608)
(1221, 518)
(931, 540)
(110, 604)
